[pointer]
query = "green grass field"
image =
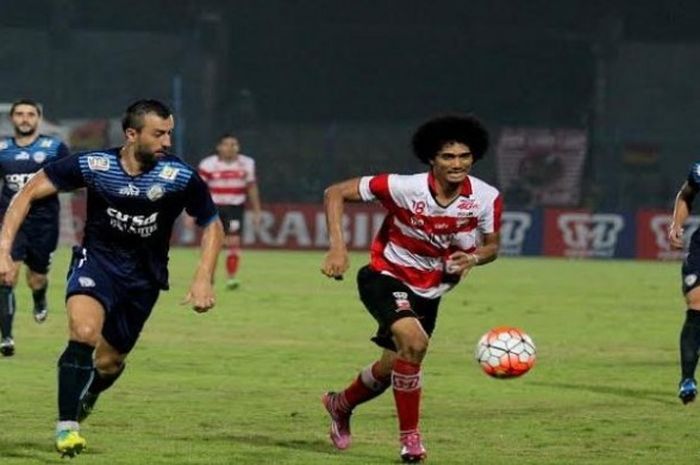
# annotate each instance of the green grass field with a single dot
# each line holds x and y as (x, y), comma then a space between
(241, 385)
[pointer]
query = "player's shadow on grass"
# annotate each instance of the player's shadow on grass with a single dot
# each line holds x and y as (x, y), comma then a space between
(36, 451)
(663, 397)
(308, 445)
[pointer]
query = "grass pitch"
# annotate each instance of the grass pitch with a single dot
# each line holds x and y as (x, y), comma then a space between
(241, 385)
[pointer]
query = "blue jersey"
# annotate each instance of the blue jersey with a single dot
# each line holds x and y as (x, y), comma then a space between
(130, 218)
(18, 164)
(694, 182)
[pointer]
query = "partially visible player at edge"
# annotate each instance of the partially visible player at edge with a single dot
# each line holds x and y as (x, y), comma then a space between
(439, 225)
(690, 271)
(134, 194)
(230, 176)
(20, 157)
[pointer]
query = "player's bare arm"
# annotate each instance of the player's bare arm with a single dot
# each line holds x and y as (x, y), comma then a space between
(336, 261)
(461, 262)
(39, 186)
(254, 196)
(681, 211)
(201, 295)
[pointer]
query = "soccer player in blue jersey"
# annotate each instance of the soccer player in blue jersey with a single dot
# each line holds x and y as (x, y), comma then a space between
(690, 333)
(20, 157)
(134, 194)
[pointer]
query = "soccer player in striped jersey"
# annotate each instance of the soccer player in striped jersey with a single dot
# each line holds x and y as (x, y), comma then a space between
(230, 176)
(20, 157)
(134, 194)
(439, 225)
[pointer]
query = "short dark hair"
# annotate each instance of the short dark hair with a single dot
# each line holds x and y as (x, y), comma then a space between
(432, 135)
(133, 116)
(25, 101)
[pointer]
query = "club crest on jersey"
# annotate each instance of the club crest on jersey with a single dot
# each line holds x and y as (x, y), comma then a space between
(39, 157)
(86, 282)
(22, 156)
(155, 192)
(96, 163)
(129, 190)
(168, 173)
(402, 302)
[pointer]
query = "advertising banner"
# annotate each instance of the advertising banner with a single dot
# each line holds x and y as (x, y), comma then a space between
(582, 234)
(652, 235)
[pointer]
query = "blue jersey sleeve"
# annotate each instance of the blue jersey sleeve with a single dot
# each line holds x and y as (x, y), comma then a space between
(62, 151)
(199, 203)
(65, 173)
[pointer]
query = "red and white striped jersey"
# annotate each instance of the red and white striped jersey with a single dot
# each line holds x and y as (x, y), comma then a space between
(228, 181)
(418, 234)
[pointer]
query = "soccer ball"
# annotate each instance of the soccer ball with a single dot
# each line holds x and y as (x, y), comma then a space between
(505, 352)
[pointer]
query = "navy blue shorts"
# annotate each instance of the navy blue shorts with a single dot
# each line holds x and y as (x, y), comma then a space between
(127, 307)
(34, 245)
(389, 300)
(690, 272)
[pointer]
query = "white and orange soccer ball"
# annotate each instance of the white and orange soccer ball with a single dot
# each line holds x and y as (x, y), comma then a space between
(505, 352)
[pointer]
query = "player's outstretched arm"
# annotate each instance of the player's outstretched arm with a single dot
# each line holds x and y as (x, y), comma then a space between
(201, 295)
(336, 261)
(681, 211)
(37, 187)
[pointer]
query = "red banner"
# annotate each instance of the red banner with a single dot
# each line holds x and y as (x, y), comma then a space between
(582, 234)
(652, 235)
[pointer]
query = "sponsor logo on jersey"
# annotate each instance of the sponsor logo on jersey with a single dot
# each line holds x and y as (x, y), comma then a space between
(169, 173)
(141, 225)
(129, 190)
(16, 181)
(98, 163)
(39, 157)
(155, 192)
(588, 234)
(690, 279)
(84, 281)
(467, 204)
(22, 155)
(417, 222)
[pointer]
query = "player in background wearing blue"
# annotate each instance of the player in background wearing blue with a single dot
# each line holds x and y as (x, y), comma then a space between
(20, 157)
(690, 334)
(134, 194)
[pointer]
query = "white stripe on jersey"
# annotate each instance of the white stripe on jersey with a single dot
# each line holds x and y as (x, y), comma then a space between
(403, 257)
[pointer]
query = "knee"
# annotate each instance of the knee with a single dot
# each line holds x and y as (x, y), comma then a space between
(414, 347)
(36, 281)
(85, 333)
(108, 365)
